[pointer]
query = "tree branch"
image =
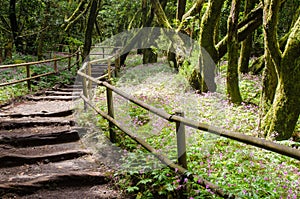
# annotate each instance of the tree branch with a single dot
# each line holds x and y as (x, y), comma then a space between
(80, 11)
(160, 14)
(195, 9)
(252, 21)
(270, 21)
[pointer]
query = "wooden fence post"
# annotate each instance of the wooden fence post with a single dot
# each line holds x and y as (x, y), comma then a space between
(89, 73)
(55, 64)
(77, 59)
(181, 143)
(28, 76)
(181, 152)
(84, 88)
(109, 69)
(110, 109)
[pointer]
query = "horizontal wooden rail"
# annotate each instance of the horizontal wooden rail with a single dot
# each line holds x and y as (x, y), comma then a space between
(33, 63)
(258, 142)
(28, 64)
(26, 79)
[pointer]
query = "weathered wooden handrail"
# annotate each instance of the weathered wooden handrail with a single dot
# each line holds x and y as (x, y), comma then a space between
(28, 64)
(35, 63)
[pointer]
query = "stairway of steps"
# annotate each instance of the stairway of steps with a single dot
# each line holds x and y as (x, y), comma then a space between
(42, 155)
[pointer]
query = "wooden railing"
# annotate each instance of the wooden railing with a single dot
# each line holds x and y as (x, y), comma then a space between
(178, 118)
(55, 68)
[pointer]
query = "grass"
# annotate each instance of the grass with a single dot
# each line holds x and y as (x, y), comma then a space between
(240, 169)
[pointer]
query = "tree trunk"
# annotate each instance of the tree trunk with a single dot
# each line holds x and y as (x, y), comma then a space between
(233, 90)
(181, 4)
(269, 84)
(207, 32)
(148, 55)
(160, 14)
(281, 119)
(8, 50)
(90, 27)
(1, 55)
(14, 26)
(42, 33)
(247, 26)
(246, 45)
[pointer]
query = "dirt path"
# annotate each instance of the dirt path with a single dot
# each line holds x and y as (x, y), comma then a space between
(42, 156)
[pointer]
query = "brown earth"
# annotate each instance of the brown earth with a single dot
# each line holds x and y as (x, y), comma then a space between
(42, 156)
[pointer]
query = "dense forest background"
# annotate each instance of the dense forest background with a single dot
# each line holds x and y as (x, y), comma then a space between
(261, 37)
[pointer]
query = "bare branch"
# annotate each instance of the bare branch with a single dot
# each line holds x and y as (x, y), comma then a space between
(160, 14)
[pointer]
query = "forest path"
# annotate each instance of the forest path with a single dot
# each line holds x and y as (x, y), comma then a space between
(42, 155)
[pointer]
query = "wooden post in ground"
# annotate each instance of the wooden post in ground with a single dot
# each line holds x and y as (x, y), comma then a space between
(181, 143)
(28, 76)
(77, 59)
(109, 69)
(110, 108)
(89, 73)
(84, 88)
(181, 152)
(55, 64)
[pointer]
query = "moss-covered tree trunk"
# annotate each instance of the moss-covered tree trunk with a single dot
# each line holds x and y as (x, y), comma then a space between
(233, 90)
(181, 4)
(269, 84)
(246, 45)
(8, 50)
(149, 56)
(1, 55)
(281, 119)
(14, 26)
(207, 35)
(90, 27)
(246, 27)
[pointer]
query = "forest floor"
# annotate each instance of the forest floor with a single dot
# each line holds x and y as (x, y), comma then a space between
(42, 155)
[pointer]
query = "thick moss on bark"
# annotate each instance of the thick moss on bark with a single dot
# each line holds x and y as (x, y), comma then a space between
(195, 80)
(246, 45)
(149, 56)
(281, 119)
(232, 46)
(90, 26)
(207, 32)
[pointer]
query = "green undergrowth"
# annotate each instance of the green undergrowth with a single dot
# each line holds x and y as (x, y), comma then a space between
(237, 168)
(16, 90)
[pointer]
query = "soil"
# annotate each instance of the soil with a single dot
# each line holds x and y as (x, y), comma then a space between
(42, 156)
